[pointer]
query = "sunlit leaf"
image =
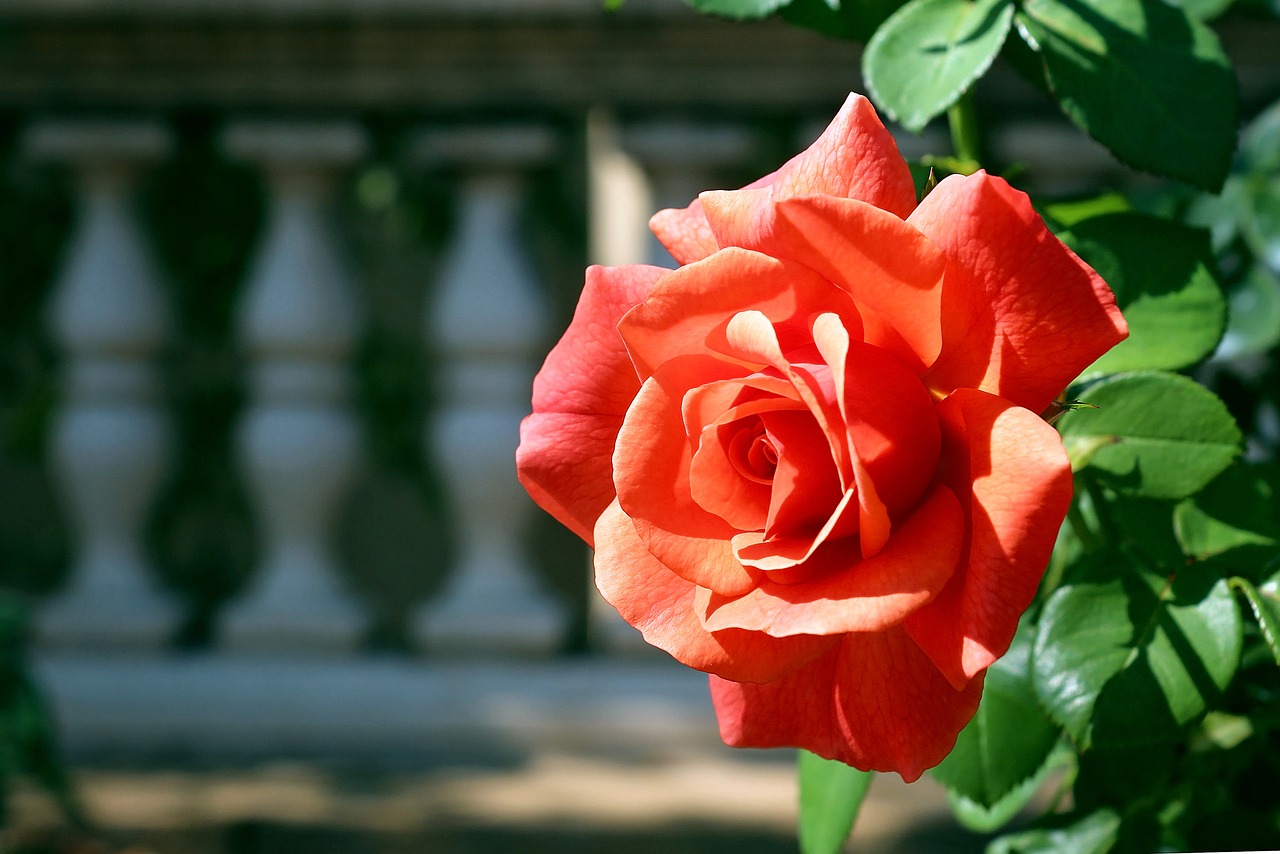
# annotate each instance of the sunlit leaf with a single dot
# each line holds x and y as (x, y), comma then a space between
(1133, 660)
(1154, 435)
(1159, 272)
(1095, 833)
(831, 794)
(1009, 738)
(1238, 512)
(1143, 78)
(930, 52)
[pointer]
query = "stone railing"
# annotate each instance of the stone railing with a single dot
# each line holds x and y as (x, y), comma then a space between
(625, 112)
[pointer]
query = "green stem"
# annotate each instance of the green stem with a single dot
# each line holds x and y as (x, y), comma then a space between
(966, 139)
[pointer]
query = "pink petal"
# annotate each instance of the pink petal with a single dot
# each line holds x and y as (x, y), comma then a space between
(579, 398)
(661, 605)
(1012, 474)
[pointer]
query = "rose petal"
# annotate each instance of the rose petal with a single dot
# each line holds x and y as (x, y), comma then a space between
(1011, 472)
(785, 551)
(695, 304)
(565, 462)
(651, 461)
(888, 412)
(855, 157)
(893, 271)
(753, 338)
(715, 480)
(854, 595)
(1022, 315)
(579, 398)
(661, 605)
(874, 701)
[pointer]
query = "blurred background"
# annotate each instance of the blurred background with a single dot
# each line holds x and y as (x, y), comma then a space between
(275, 276)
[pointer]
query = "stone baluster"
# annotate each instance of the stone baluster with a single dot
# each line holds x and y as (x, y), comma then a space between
(485, 322)
(682, 160)
(298, 443)
(111, 439)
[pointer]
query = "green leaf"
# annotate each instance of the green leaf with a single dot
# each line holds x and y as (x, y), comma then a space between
(1159, 273)
(1237, 512)
(1009, 738)
(1144, 79)
(830, 795)
(1133, 660)
(930, 52)
(1093, 834)
(738, 9)
(984, 819)
(1265, 604)
(1253, 324)
(1153, 435)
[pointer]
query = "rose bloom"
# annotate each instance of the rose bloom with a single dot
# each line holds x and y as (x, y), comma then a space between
(810, 459)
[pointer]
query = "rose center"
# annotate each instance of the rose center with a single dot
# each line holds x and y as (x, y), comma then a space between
(752, 453)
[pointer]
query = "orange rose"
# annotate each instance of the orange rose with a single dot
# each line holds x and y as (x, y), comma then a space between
(809, 459)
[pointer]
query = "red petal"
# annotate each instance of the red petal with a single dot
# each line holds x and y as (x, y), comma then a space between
(661, 605)
(874, 701)
(579, 398)
(806, 484)
(1011, 472)
(855, 157)
(715, 482)
(695, 304)
(891, 270)
(651, 462)
(854, 595)
(1022, 315)
(888, 413)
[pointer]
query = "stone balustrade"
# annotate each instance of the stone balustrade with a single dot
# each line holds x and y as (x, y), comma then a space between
(298, 444)
(550, 106)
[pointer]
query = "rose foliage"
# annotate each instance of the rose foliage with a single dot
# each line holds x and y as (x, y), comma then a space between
(810, 459)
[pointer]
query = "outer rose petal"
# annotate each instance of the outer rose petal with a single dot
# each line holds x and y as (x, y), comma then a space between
(874, 701)
(579, 398)
(1022, 315)
(661, 605)
(867, 596)
(855, 157)
(1010, 469)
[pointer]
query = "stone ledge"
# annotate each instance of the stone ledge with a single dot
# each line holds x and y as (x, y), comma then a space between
(220, 707)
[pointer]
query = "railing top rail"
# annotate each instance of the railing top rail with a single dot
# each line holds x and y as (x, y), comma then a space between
(210, 10)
